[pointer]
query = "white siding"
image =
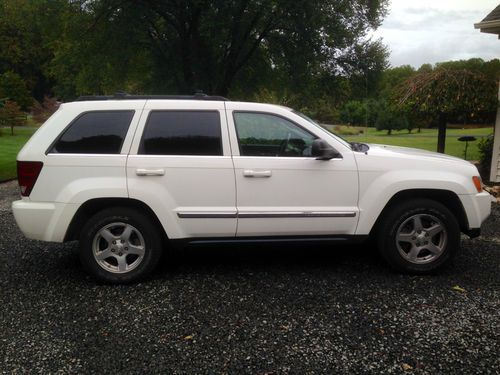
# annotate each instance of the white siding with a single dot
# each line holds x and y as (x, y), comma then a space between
(495, 160)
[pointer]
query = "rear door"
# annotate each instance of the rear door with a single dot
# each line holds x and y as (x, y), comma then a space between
(180, 165)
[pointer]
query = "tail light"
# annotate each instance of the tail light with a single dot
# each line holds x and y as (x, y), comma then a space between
(27, 174)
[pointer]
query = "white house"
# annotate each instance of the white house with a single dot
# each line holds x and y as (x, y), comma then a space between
(491, 24)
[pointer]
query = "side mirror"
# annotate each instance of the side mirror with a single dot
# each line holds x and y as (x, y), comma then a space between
(322, 150)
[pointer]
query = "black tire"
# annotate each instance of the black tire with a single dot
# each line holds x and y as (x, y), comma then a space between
(145, 237)
(398, 222)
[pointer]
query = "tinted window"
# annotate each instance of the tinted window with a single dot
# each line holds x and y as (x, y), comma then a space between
(262, 134)
(182, 133)
(95, 133)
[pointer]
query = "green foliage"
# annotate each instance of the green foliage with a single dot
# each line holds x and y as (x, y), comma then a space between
(449, 92)
(29, 31)
(361, 113)
(485, 147)
(353, 113)
(392, 78)
(11, 115)
(221, 47)
(391, 119)
(14, 88)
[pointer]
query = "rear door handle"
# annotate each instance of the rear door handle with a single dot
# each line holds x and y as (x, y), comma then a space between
(149, 172)
(257, 174)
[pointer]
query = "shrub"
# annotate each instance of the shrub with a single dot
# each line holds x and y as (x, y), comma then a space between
(353, 113)
(11, 115)
(485, 147)
(41, 112)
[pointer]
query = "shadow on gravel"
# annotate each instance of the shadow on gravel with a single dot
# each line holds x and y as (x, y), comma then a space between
(227, 260)
(268, 257)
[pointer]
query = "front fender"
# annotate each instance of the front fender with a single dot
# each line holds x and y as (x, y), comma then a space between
(377, 190)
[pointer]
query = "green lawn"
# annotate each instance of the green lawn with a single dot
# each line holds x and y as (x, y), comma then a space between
(9, 147)
(427, 140)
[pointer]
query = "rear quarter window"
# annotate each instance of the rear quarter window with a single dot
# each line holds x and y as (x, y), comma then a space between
(99, 132)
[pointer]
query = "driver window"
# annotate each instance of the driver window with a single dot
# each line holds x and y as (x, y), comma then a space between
(262, 134)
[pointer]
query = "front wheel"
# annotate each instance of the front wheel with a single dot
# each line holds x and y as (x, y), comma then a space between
(120, 245)
(418, 236)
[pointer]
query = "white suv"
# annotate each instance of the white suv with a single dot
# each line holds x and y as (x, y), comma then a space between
(128, 176)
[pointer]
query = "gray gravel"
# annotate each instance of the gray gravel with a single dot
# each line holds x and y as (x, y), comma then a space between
(255, 310)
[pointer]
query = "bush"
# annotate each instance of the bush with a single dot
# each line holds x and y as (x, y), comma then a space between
(11, 115)
(41, 112)
(485, 147)
(353, 113)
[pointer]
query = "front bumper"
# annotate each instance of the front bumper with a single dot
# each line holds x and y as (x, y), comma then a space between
(43, 221)
(477, 208)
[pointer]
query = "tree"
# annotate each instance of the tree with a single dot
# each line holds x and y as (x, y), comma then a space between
(11, 115)
(29, 31)
(214, 45)
(389, 118)
(14, 88)
(353, 113)
(444, 93)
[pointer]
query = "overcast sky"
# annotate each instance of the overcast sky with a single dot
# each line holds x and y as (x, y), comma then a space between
(430, 31)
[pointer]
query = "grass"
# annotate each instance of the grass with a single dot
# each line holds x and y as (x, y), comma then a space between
(426, 139)
(9, 147)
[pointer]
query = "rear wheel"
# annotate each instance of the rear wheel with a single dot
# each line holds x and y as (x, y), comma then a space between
(418, 236)
(120, 245)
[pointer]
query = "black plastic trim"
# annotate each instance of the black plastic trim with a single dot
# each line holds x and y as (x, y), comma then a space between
(473, 232)
(124, 96)
(347, 239)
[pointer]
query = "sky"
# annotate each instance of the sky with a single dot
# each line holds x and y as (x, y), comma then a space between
(430, 31)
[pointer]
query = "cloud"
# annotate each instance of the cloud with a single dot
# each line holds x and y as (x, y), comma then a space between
(427, 33)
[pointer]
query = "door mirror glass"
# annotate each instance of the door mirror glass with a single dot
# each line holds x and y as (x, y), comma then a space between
(322, 150)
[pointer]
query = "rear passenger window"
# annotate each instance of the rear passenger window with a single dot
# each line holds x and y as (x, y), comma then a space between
(182, 133)
(100, 132)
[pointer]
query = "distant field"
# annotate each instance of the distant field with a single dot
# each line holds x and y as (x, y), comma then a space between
(9, 147)
(427, 140)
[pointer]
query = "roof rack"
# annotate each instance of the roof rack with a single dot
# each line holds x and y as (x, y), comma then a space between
(125, 96)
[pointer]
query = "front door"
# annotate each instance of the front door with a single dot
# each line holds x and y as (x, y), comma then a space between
(281, 189)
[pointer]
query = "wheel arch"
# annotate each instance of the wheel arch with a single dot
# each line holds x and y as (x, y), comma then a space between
(92, 206)
(446, 197)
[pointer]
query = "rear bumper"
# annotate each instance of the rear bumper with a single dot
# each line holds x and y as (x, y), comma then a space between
(43, 221)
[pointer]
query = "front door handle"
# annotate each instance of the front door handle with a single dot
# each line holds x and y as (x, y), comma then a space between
(258, 174)
(149, 172)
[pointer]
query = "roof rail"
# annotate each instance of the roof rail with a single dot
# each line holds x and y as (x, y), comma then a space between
(125, 96)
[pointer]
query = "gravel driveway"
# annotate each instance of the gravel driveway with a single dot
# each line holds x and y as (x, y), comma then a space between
(256, 310)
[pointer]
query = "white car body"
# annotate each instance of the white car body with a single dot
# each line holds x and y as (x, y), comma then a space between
(234, 196)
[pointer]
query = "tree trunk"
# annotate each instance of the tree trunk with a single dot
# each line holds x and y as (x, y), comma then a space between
(441, 133)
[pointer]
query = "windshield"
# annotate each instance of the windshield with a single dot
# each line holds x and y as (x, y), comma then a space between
(342, 140)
